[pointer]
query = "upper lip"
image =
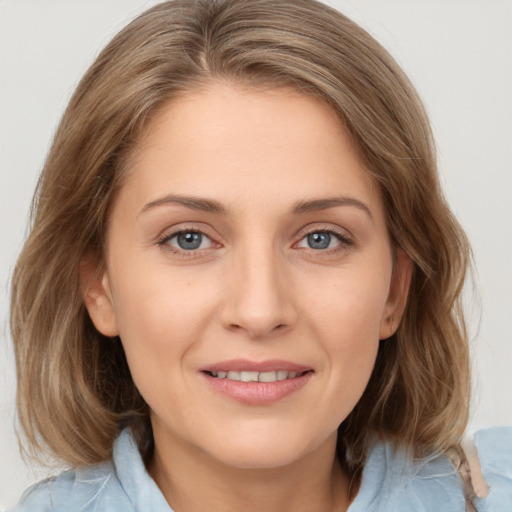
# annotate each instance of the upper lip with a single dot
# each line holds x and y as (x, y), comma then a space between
(245, 365)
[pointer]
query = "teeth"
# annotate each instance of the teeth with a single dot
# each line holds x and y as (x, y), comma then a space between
(267, 377)
(256, 376)
(249, 376)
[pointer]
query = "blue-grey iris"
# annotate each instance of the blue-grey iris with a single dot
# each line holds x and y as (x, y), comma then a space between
(189, 240)
(319, 240)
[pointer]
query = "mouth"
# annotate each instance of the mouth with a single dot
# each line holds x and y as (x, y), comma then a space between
(254, 376)
(254, 383)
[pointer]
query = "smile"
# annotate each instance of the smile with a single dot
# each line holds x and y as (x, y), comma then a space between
(253, 376)
(256, 383)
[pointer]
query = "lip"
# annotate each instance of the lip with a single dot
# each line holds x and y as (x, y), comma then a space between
(244, 365)
(256, 393)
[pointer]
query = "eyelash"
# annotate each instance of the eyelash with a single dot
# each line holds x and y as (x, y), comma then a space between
(163, 242)
(344, 241)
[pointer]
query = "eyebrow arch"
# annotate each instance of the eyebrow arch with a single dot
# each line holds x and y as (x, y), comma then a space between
(300, 207)
(194, 203)
(314, 205)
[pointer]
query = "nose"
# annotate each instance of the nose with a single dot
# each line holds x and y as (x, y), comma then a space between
(259, 295)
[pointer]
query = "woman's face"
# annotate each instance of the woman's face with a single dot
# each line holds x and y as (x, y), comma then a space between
(249, 274)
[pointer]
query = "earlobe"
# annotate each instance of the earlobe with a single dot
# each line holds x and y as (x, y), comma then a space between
(397, 297)
(95, 288)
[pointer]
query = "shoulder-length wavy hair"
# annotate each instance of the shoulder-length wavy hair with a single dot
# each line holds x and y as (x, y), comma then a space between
(74, 386)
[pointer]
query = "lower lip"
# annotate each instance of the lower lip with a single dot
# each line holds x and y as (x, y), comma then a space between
(257, 393)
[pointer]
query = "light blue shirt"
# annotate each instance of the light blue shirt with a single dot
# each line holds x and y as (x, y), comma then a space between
(391, 482)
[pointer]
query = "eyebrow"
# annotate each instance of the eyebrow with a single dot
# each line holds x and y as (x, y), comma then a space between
(193, 203)
(302, 207)
(299, 208)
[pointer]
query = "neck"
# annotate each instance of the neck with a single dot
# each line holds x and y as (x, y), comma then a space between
(192, 481)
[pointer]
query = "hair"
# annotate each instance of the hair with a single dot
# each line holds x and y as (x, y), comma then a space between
(75, 391)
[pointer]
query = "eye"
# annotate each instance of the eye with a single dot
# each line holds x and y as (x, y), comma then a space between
(187, 241)
(323, 239)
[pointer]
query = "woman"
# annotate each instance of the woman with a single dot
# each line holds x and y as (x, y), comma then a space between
(242, 277)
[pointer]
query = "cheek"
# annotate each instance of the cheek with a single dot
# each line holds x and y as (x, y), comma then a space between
(160, 324)
(348, 308)
(346, 318)
(352, 344)
(160, 319)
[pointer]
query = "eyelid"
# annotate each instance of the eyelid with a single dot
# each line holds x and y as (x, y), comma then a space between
(345, 237)
(174, 231)
(167, 240)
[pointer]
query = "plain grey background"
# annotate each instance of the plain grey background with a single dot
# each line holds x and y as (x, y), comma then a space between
(458, 54)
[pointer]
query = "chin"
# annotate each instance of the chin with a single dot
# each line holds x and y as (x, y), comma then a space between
(260, 457)
(257, 449)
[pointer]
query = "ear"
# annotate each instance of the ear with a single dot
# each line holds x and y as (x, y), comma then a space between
(95, 288)
(397, 297)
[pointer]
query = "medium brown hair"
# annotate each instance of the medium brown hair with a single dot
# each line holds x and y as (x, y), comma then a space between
(74, 386)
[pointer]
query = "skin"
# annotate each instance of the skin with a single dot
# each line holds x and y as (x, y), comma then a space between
(254, 289)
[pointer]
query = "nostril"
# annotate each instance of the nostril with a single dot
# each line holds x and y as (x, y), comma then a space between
(258, 331)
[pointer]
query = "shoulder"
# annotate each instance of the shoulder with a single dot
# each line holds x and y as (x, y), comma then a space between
(120, 485)
(494, 448)
(395, 482)
(83, 489)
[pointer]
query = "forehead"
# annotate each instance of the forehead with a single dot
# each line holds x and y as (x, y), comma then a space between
(238, 139)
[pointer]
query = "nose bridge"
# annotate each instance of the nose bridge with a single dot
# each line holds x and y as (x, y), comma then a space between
(258, 301)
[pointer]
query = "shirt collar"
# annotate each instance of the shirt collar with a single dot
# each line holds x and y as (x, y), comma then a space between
(133, 477)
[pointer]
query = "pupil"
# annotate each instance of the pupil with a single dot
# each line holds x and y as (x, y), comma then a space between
(319, 240)
(189, 241)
